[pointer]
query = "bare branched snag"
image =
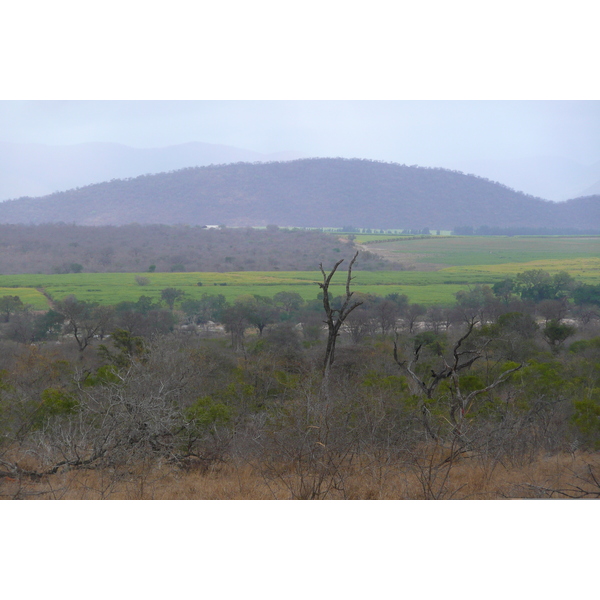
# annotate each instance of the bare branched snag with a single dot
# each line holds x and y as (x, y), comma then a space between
(462, 359)
(335, 316)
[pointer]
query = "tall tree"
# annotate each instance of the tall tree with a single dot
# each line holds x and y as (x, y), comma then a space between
(258, 311)
(171, 295)
(85, 320)
(10, 305)
(335, 317)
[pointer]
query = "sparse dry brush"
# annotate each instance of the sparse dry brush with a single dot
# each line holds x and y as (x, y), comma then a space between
(367, 478)
(472, 405)
(59, 248)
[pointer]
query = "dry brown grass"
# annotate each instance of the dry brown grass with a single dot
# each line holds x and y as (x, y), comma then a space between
(562, 475)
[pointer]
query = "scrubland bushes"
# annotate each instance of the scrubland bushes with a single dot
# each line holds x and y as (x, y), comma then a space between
(61, 248)
(457, 402)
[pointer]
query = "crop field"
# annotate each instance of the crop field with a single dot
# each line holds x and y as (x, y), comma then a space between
(584, 269)
(28, 295)
(111, 288)
(370, 238)
(487, 250)
(460, 262)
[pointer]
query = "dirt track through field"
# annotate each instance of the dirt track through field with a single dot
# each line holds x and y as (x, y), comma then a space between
(408, 259)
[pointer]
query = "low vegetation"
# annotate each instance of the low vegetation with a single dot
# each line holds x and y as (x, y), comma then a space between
(427, 269)
(465, 251)
(496, 395)
(70, 249)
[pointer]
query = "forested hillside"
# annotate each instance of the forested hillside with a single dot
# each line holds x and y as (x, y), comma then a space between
(320, 192)
(60, 248)
(39, 169)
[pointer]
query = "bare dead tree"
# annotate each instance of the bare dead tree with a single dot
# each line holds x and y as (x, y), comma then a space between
(336, 317)
(461, 360)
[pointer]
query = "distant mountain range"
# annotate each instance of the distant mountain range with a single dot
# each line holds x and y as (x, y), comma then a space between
(39, 170)
(318, 192)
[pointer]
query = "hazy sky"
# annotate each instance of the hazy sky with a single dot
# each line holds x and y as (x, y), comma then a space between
(320, 77)
(421, 132)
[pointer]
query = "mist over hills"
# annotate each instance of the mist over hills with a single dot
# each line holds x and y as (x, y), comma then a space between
(592, 190)
(324, 192)
(39, 169)
(548, 177)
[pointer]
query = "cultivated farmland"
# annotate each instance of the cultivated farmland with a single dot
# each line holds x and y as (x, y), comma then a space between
(439, 266)
(421, 252)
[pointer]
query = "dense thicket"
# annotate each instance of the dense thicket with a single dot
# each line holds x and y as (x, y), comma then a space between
(323, 192)
(505, 374)
(61, 248)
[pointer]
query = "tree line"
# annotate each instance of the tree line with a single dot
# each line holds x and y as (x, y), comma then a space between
(63, 248)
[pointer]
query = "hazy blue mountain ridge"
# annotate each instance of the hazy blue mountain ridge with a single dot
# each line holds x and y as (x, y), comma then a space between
(39, 169)
(323, 192)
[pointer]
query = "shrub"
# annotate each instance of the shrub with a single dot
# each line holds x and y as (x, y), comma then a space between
(586, 419)
(55, 403)
(206, 414)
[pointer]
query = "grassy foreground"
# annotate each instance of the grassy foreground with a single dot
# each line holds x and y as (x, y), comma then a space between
(368, 478)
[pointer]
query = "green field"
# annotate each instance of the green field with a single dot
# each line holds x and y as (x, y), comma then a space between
(369, 238)
(473, 250)
(111, 288)
(28, 295)
(428, 288)
(469, 260)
